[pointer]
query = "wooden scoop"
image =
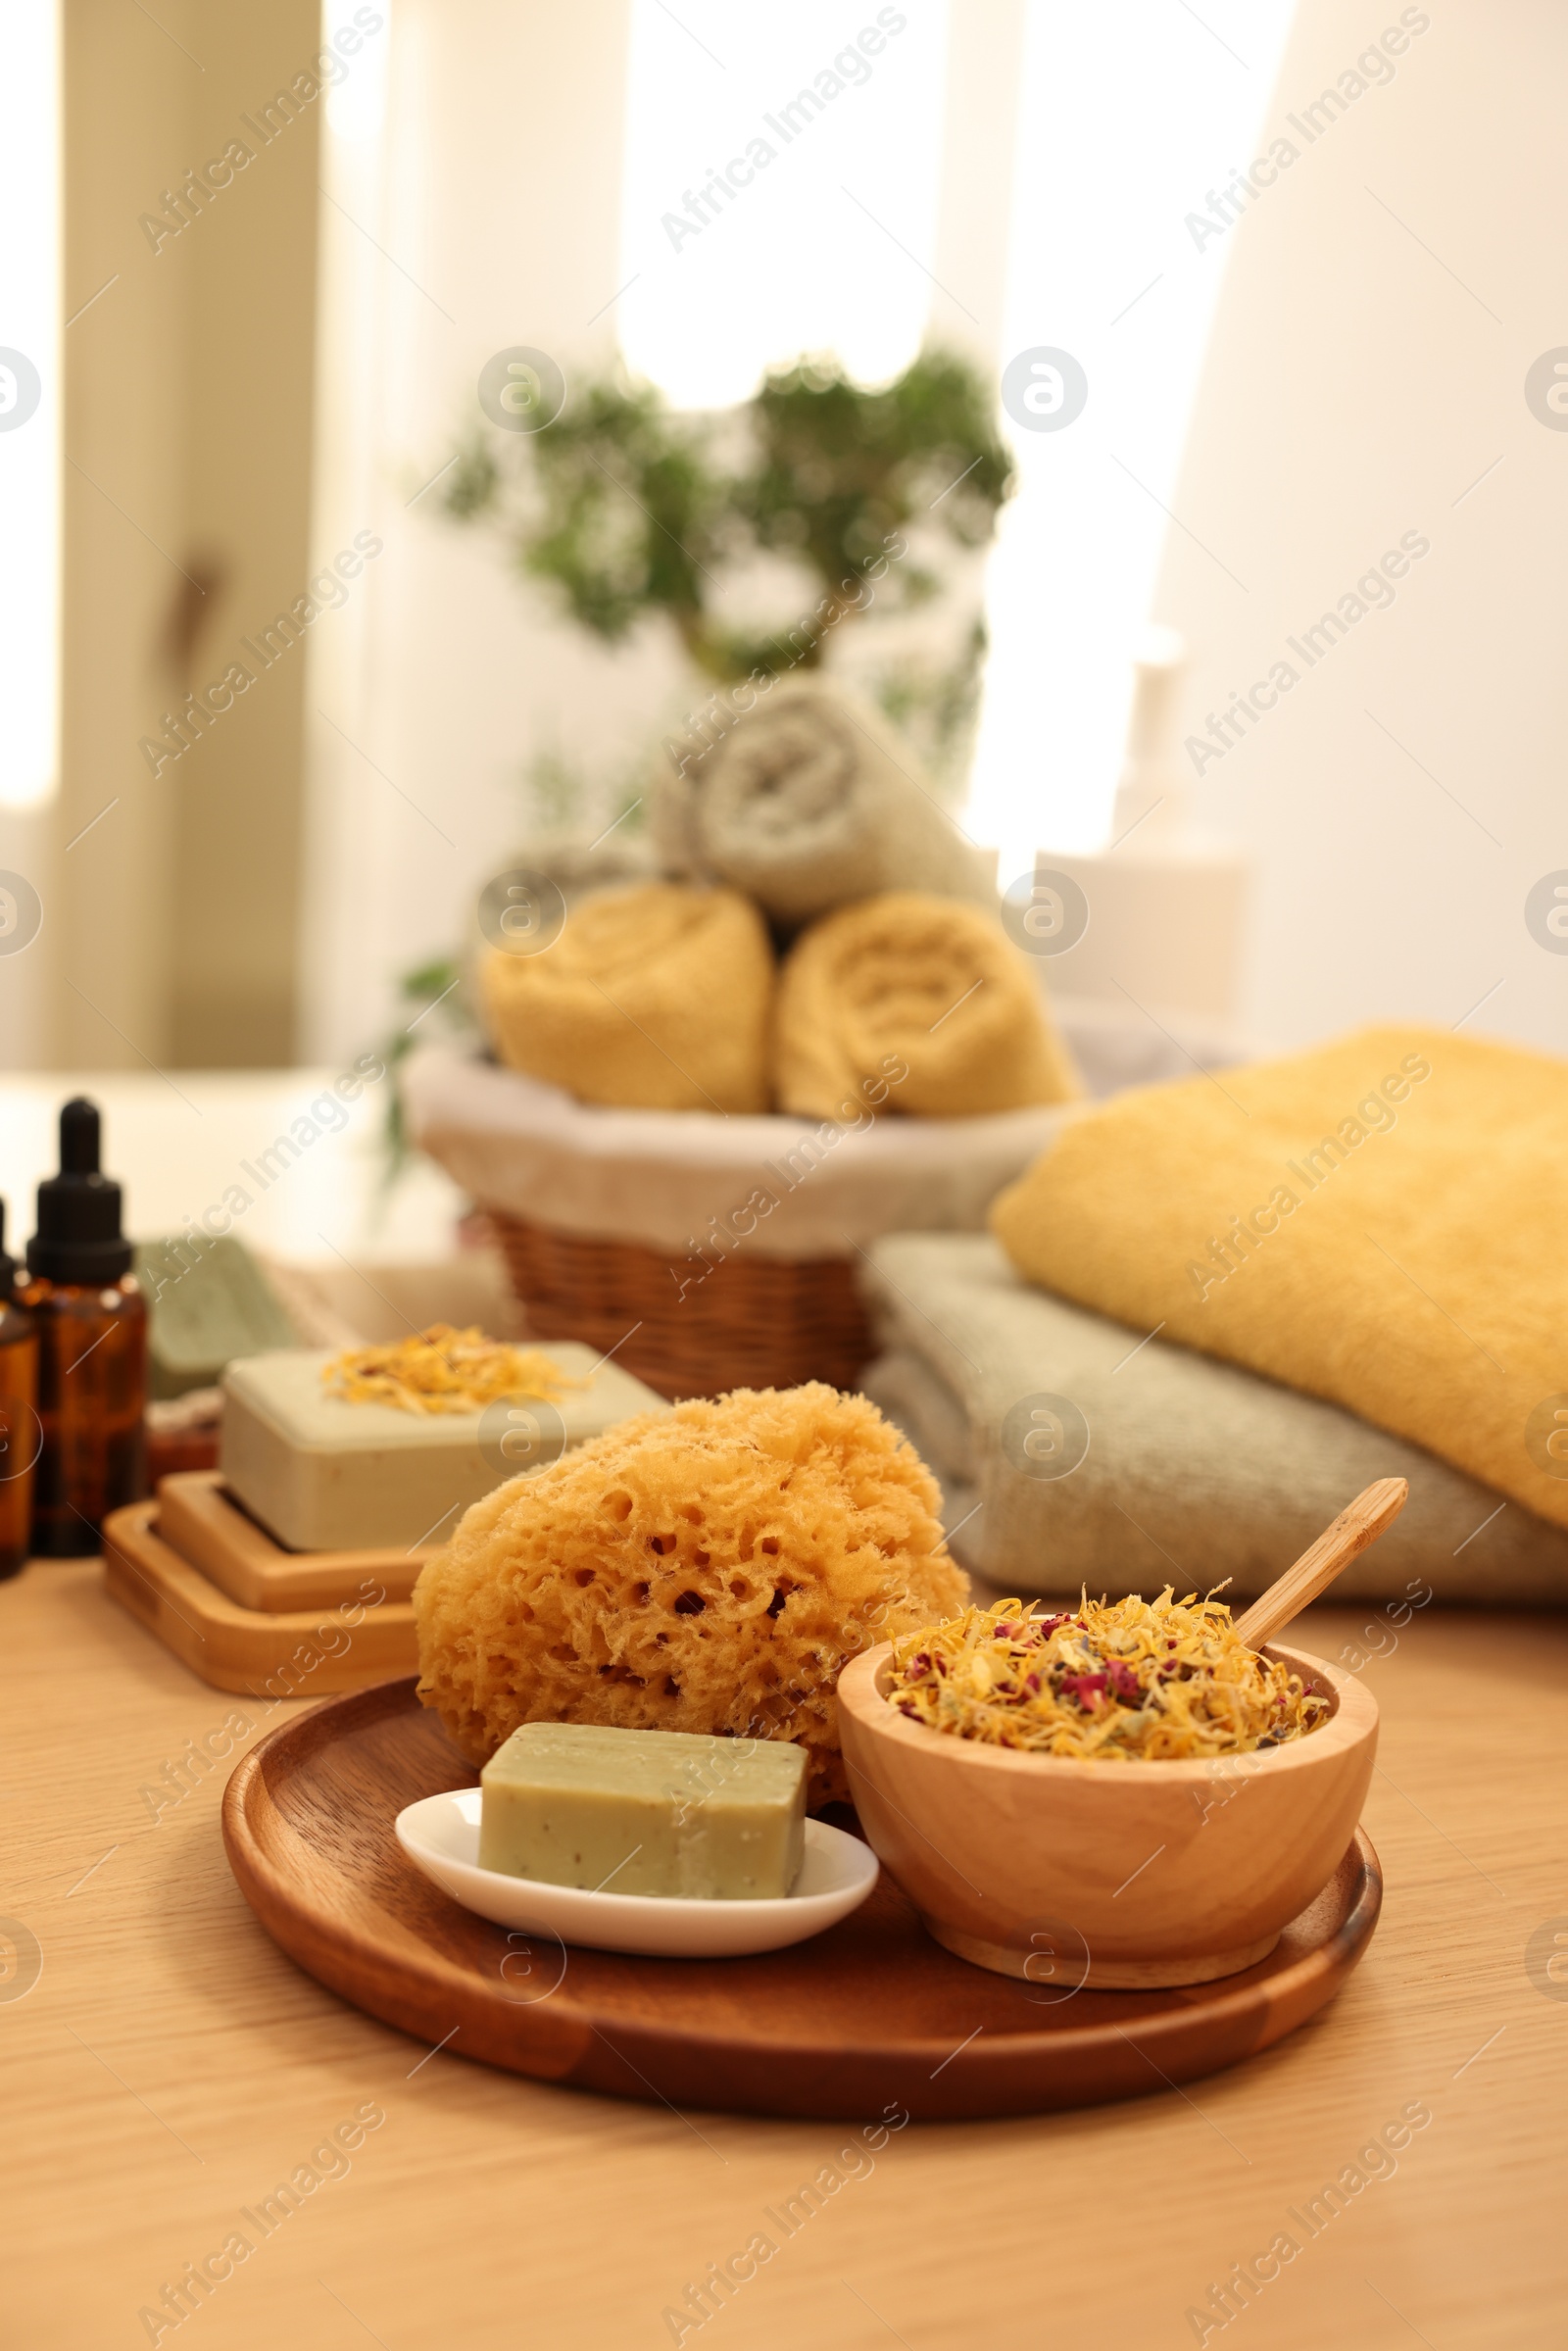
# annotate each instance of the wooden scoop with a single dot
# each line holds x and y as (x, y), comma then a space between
(1315, 1570)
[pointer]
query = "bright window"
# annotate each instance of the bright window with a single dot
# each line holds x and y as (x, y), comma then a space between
(1133, 117)
(780, 189)
(29, 405)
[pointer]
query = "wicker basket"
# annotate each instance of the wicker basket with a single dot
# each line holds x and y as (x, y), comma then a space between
(752, 1322)
(595, 1207)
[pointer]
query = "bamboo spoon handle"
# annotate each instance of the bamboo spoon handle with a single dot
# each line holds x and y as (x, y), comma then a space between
(1315, 1570)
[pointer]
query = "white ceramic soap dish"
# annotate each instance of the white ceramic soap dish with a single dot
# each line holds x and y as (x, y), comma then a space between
(441, 1835)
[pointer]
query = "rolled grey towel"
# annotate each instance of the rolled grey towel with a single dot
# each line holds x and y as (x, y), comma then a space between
(806, 803)
(1196, 1471)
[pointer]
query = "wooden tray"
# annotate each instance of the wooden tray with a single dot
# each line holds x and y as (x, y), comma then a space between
(200, 1519)
(872, 2015)
(300, 1653)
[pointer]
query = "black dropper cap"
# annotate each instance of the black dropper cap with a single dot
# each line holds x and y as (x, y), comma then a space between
(78, 1237)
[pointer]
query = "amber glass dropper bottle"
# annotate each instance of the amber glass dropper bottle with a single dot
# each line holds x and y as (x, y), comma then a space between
(92, 1348)
(19, 1431)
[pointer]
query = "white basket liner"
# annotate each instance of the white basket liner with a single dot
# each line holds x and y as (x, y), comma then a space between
(658, 1176)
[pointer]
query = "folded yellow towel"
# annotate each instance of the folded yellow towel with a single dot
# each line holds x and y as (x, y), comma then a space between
(1379, 1222)
(655, 997)
(927, 987)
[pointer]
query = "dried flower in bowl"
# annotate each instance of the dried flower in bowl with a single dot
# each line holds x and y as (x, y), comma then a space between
(1128, 1680)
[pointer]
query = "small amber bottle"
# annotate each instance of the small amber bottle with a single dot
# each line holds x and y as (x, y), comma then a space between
(92, 1348)
(21, 1433)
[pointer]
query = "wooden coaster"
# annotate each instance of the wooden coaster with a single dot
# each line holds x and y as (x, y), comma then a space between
(300, 1653)
(201, 1520)
(868, 2020)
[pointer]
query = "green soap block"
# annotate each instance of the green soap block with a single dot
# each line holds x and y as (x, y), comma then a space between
(645, 1812)
(208, 1302)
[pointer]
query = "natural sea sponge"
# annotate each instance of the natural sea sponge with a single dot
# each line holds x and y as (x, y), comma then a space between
(926, 982)
(709, 1569)
(655, 997)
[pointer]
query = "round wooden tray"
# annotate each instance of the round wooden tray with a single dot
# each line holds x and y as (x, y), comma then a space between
(870, 2016)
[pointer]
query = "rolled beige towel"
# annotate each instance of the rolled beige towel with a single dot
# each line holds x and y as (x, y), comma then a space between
(656, 997)
(806, 801)
(921, 984)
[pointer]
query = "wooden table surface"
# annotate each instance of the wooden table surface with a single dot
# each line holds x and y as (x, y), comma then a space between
(170, 2067)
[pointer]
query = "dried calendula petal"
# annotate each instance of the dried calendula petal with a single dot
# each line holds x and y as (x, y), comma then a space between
(1130, 1681)
(445, 1370)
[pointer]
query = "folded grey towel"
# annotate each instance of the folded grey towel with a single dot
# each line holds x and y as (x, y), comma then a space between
(1194, 1472)
(923, 1407)
(906, 1391)
(807, 803)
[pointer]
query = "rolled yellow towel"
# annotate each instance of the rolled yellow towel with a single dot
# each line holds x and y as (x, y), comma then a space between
(926, 984)
(1378, 1222)
(655, 997)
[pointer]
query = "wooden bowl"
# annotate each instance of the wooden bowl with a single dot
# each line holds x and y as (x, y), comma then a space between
(1124, 1875)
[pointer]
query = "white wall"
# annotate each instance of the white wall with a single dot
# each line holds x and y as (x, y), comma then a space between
(1362, 376)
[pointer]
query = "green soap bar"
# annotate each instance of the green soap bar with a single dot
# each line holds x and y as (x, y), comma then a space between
(208, 1302)
(645, 1812)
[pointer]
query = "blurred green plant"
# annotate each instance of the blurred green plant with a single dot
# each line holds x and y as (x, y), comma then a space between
(437, 987)
(938, 708)
(561, 800)
(626, 507)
